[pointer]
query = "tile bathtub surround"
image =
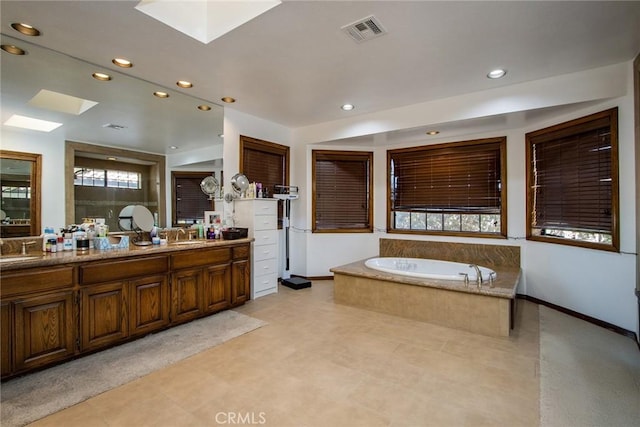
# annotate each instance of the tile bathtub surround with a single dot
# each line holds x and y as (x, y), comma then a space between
(485, 255)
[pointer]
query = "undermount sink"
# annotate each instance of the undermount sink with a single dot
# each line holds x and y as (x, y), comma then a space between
(15, 258)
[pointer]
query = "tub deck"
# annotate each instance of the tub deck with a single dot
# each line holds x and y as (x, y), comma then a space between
(487, 311)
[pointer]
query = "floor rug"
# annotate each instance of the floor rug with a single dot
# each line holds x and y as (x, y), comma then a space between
(37, 395)
(589, 376)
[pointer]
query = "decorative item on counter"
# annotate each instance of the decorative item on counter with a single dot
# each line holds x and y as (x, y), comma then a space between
(234, 233)
(259, 188)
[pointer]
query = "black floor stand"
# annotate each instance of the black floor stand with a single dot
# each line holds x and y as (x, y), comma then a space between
(296, 283)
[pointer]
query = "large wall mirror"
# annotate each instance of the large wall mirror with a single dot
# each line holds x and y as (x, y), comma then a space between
(20, 179)
(125, 122)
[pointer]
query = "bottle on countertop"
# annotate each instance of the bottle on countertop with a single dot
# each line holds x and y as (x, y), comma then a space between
(46, 236)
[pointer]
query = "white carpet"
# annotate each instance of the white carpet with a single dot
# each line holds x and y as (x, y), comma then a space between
(589, 376)
(37, 395)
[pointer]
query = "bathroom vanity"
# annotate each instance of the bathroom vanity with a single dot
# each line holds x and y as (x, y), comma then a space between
(59, 306)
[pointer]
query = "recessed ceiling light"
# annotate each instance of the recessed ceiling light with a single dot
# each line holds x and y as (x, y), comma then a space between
(228, 100)
(122, 62)
(25, 29)
(348, 107)
(31, 123)
(173, 147)
(185, 84)
(14, 50)
(112, 158)
(103, 77)
(204, 107)
(161, 94)
(497, 73)
(433, 132)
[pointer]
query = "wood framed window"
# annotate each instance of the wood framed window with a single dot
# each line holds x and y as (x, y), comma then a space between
(572, 182)
(189, 202)
(455, 188)
(342, 191)
(267, 163)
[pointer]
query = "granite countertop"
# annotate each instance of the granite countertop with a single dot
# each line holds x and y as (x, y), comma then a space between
(36, 258)
(504, 286)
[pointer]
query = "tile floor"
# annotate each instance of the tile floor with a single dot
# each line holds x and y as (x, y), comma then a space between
(318, 363)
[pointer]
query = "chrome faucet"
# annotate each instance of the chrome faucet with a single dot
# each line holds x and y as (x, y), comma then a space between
(478, 275)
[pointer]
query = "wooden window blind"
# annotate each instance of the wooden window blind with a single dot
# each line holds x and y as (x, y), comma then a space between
(342, 196)
(267, 163)
(457, 178)
(189, 202)
(573, 182)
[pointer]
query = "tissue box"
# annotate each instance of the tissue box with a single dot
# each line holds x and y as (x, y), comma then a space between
(111, 242)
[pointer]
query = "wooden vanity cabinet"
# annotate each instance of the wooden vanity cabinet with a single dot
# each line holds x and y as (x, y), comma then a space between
(120, 299)
(6, 327)
(44, 329)
(241, 273)
(51, 314)
(200, 282)
(38, 318)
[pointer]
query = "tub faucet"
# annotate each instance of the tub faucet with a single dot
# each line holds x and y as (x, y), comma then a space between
(478, 274)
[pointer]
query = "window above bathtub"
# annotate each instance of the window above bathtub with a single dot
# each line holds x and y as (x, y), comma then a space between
(342, 191)
(456, 188)
(572, 182)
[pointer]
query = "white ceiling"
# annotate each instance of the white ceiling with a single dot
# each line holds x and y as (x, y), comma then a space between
(294, 66)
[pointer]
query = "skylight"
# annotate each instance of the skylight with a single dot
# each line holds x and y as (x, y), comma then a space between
(55, 101)
(31, 123)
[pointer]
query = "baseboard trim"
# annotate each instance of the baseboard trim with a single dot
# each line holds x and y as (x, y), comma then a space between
(617, 329)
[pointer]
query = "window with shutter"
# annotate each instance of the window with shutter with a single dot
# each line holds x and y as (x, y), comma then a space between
(572, 181)
(342, 196)
(189, 202)
(267, 163)
(456, 188)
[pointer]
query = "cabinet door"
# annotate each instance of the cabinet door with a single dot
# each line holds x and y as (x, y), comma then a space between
(104, 314)
(43, 330)
(240, 282)
(148, 304)
(187, 289)
(5, 337)
(217, 289)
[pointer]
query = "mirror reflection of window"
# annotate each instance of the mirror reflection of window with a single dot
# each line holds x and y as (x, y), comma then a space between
(19, 197)
(102, 188)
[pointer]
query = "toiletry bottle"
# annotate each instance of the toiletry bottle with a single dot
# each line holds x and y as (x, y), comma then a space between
(48, 234)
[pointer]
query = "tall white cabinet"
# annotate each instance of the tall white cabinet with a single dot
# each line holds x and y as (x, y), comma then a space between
(260, 216)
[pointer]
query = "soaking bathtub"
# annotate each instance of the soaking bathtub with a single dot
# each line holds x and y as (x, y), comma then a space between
(429, 268)
(439, 295)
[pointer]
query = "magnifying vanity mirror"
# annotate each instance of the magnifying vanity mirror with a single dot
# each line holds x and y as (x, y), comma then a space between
(20, 178)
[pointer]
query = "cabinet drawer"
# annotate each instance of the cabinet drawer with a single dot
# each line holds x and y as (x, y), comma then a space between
(23, 282)
(266, 222)
(267, 281)
(265, 237)
(241, 252)
(200, 257)
(267, 266)
(265, 252)
(266, 207)
(118, 270)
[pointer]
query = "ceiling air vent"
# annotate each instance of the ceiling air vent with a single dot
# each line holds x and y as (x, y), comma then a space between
(364, 29)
